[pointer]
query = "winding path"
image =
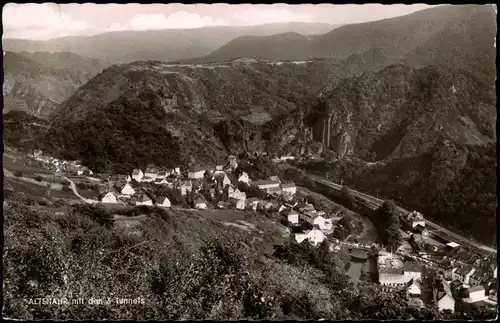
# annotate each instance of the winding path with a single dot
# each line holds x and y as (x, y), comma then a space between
(75, 191)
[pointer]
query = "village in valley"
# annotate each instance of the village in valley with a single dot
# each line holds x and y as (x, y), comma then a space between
(427, 269)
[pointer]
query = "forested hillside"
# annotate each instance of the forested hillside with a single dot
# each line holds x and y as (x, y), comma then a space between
(177, 266)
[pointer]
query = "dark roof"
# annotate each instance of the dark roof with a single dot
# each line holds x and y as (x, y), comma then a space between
(161, 199)
(152, 170)
(286, 185)
(419, 228)
(413, 266)
(162, 173)
(476, 289)
(136, 171)
(196, 169)
(200, 199)
(143, 198)
(359, 254)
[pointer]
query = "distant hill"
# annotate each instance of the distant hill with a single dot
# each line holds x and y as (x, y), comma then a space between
(164, 45)
(38, 82)
(280, 47)
(451, 35)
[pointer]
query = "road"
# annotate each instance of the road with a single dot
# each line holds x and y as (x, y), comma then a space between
(75, 191)
(375, 202)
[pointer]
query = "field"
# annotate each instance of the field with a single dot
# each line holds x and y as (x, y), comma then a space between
(34, 180)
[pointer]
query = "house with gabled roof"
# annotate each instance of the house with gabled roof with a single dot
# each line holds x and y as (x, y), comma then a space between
(143, 199)
(200, 203)
(184, 187)
(163, 201)
(151, 172)
(236, 203)
(412, 270)
(265, 205)
(137, 175)
(162, 174)
(475, 294)
(415, 218)
(109, 197)
(414, 288)
(289, 188)
(252, 203)
(316, 219)
(244, 178)
(314, 236)
(293, 217)
(275, 191)
(444, 297)
(127, 190)
(226, 180)
(196, 172)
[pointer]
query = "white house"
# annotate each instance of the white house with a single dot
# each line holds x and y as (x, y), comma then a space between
(495, 271)
(252, 203)
(239, 204)
(137, 175)
(162, 174)
(196, 172)
(144, 200)
(415, 218)
(163, 202)
(244, 178)
(127, 190)
(314, 236)
(265, 185)
(236, 193)
(282, 208)
(233, 163)
(475, 294)
(414, 289)
(445, 299)
(185, 186)
(316, 219)
(200, 203)
(412, 270)
(289, 188)
(151, 172)
(293, 217)
(226, 180)
(109, 198)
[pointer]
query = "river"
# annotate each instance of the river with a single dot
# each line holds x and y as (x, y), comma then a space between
(354, 271)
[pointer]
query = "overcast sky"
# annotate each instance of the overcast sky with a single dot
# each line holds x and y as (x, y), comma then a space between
(49, 20)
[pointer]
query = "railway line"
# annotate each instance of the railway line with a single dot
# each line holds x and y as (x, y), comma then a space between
(374, 202)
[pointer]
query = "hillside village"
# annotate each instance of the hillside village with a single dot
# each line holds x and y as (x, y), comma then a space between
(443, 274)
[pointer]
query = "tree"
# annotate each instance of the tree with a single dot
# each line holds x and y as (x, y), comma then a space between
(386, 219)
(346, 197)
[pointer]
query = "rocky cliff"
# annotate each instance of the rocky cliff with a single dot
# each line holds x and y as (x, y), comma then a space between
(400, 111)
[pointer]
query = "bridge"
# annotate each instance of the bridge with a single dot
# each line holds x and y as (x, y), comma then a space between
(374, 202)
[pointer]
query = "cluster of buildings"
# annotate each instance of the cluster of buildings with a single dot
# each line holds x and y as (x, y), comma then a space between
(217, 184)
(61, 166)
(462, 273)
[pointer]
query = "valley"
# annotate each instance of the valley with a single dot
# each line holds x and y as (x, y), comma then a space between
(255, 172)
